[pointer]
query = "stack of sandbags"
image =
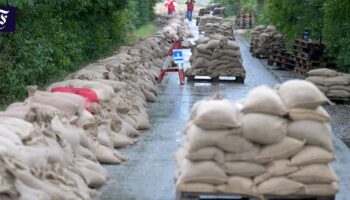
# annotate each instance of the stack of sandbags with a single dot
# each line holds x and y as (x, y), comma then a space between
(210, 25)
(266, 40)
(273, 143)
(334, 84)
(216, 56)
(54, 142)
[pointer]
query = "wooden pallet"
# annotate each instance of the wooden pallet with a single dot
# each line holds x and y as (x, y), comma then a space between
(300, 71)
(339, 100)
(209, 196)
(234, 79)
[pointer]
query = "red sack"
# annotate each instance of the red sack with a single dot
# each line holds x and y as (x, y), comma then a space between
(87, 93)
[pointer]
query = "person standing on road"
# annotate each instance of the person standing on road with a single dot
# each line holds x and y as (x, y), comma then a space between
(171, 8)
(190, 7)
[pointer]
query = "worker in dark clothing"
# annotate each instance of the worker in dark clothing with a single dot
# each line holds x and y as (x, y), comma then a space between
(190, 7)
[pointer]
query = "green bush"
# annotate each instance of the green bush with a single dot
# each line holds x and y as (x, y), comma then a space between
(56, 37)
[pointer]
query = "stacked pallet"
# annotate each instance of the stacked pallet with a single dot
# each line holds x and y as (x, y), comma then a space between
(245, 20)
(334, 84)
(210, 25)
(282, 59)
(308, 55)
(274, 143)
(216, 56)
(265, 40)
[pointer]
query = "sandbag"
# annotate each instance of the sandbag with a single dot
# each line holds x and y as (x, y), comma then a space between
(320, 189)
(276, 168)
(312, 155)
(313, 132)
(282, 150)
(244, 156)
(262, 99)
(244, 169)
(318, 114)
(338, 80)
(301, 94)
(206, 153)
(322, 72)
(264, 129)
(238, 185)
(279, 186)
(338, 93)
(317, 80)
(314, 174)
(217, 114)
(204, 172)
(227, 140)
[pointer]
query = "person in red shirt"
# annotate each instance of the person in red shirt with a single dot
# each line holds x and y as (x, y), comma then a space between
(171, 8)
(190, 7)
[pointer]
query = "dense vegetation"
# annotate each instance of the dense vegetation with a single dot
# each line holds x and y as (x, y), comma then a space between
(328, 20)
(55, 37)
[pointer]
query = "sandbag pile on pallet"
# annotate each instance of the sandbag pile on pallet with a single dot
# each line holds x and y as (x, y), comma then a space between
(334, 84)
(271, 143)
(265, 40)
(210, 25)
(54, 142)
(215, 56)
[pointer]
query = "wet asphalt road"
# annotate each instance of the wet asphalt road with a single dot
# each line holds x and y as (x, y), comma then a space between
(148, 175)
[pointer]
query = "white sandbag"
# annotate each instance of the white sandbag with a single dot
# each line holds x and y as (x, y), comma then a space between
(263, 99)
(313, 132)
(217, 114)
(301, 94)
(314, 174)
(312, 155)
(263, 128)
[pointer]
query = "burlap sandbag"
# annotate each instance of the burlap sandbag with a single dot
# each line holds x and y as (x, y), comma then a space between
(264, 129)
(322, 72)
(199, 62)
(227, 140)
(231, 45)
(65, 105)
(238, 185)
(320, 189)
(318, 114)
(340, 87)
(279, 186)
(217, 114)
(338, 93)
(202, 40)
(6, 133)
(196, 187)
(203, 172)
(282, 150)
(265, 100)
(29, 193)
(338, 80)
(206, 153)
(317, 80)
(203, 48)
(244, 156)
(313, 132)
(301, 94)
(213, 44)
(312, 155)
(120, 140)
(314, 174)
(276, 168)
(244, 169)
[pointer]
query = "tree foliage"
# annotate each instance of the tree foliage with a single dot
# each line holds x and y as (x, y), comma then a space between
(55, 37)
